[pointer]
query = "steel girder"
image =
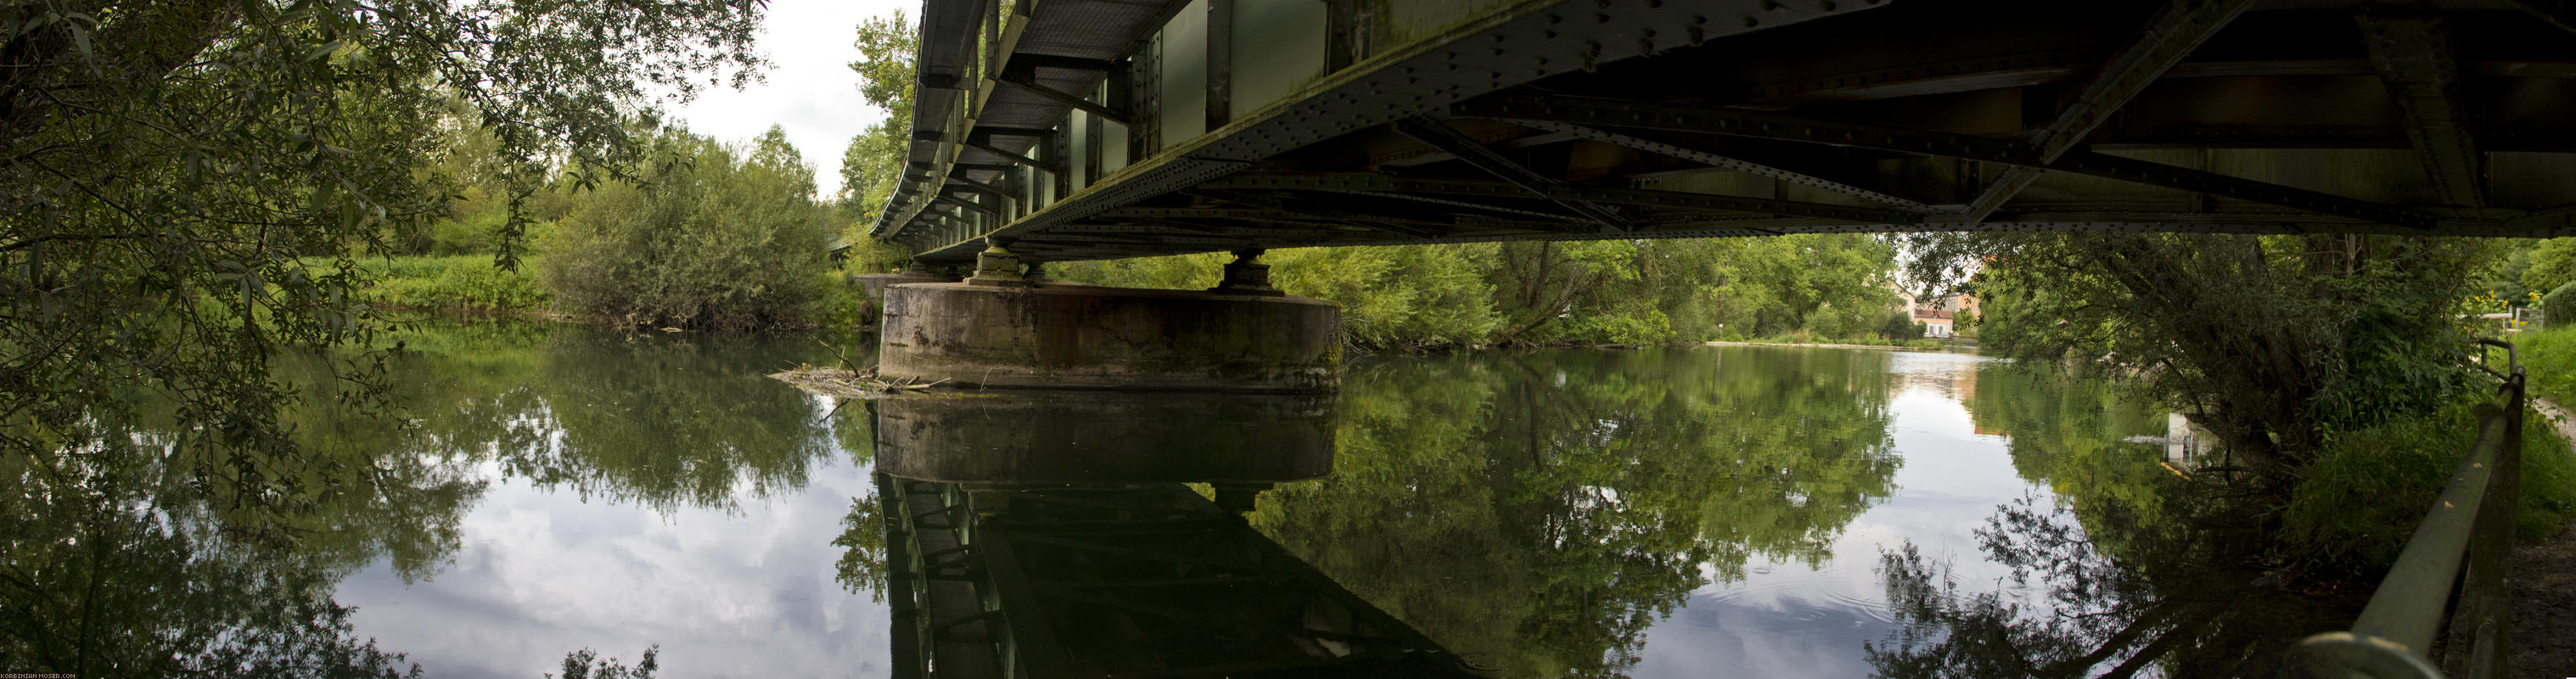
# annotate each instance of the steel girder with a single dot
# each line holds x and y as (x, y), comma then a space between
(2181, 27)
(2413, 54)
(1733, 122)
(1512, 44)
(1587, 194)
(1441, 136)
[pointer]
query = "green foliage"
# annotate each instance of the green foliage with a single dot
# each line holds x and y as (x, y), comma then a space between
(2271, 342)
(1824, 288)
(463, 282)
(1178, 272)
(2549, 362)
(1899, 325)
(2550, 266)
(185, 159)
(1402, 297)
(2559, 306)
(873, 164)
(585, 664)
(716, 237)
(2360, 501)
(1492, 469)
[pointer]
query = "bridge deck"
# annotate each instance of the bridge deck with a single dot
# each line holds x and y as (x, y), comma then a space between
(1080, 129)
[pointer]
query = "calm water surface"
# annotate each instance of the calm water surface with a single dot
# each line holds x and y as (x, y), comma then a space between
(1719, 511)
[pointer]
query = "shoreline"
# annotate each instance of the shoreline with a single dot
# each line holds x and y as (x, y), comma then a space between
(1824, 345)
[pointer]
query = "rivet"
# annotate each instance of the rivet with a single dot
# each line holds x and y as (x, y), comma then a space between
(1750, 22)
(1827, 5)
(1770, 6)
(1603, 18)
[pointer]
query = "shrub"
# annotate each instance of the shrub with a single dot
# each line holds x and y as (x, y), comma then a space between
(465, 282)
(2363, 496)
(715, 238)
(2559, 306)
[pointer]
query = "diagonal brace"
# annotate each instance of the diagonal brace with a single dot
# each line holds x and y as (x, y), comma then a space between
(1441, 136)
(2175, 31)
(1731, 163)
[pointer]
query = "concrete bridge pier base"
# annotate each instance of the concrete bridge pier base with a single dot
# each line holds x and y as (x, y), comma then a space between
(998, 329)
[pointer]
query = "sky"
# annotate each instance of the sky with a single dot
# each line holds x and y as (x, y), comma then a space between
(810, 89)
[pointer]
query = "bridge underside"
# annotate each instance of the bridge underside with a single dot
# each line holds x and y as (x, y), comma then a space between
(1651, 119)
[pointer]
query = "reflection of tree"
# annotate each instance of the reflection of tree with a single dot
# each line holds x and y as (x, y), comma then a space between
(670, 422)
(2136, 566)
(1539, 512)
(134, 557)
(99, 578)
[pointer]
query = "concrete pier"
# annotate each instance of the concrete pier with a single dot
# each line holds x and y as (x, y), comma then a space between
(1091, 337)
(1105, 438)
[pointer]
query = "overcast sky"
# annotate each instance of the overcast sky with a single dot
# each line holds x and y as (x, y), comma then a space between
(811, 90)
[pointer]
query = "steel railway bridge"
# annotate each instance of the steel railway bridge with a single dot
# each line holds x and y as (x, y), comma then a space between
(1089, 129)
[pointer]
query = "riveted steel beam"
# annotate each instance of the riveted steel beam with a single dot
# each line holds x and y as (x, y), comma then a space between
(2177, 30)
(1740, 165)
(965, 204)
(1441, 136)
(1407, 228)
(978, 186)
(1014, 157)
(1740, 123)
(1028, 83)
(1639, 197)
(2413, 55)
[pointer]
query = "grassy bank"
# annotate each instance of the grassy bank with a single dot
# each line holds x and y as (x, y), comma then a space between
(2549, 358)
(471, 284)
(1863, 342)
(456, 283)
(2361, 499)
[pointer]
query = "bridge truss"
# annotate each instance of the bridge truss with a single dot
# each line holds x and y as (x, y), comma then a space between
(1085, 129)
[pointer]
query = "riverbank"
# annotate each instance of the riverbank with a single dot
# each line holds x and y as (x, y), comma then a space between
(472, 285)
(1911, 345)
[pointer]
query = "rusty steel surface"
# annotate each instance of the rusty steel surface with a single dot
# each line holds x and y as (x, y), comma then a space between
(1069, 136)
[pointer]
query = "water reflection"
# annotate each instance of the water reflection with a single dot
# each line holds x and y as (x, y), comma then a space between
(1104, 437)
(1540, 513)
(2129, 567)
(1719, 511)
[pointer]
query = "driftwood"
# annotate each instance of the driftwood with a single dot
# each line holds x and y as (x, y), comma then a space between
(846, 383)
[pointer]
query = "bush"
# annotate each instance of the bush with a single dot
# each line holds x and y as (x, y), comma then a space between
(2549, 359)
(2358, 502)
(715, 238)
(2559, 306)
(467, 282)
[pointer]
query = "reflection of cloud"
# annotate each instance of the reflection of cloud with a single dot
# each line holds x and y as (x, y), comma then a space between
(1789, 638)
(541, 573)
(1786, 620)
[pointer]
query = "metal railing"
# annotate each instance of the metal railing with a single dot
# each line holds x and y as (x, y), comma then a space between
(2465, 543)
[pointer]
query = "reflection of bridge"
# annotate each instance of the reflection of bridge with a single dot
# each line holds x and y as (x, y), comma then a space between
(1078, 129)
(1127, 581)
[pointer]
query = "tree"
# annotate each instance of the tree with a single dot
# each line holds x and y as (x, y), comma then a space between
(2270, 342)
(2549, 266)
(171, 166)
(713, 237)
(873, 164)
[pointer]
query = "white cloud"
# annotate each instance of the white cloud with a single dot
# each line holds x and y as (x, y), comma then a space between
(810, 91)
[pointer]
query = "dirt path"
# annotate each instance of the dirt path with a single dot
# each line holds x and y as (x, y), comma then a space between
(2544, 592)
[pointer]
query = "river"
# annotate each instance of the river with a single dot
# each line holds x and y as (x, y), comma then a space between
(1682, 512)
